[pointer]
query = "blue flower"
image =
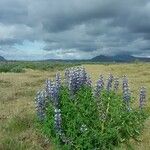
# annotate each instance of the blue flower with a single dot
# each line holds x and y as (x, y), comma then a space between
(126, 93)
(116, 84)
(76, 77)
(99, 86)
(40, 102)
(109, 82)
(142, 98)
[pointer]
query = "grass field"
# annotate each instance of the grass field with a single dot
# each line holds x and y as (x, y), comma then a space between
(17, 110)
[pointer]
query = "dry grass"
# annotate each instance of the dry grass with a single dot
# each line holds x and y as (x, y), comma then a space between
(17, 112)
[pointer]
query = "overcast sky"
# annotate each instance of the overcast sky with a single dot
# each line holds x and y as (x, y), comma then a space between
(73, 29)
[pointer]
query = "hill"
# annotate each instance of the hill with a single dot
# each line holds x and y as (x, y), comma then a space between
(2, 58)
(119, 58)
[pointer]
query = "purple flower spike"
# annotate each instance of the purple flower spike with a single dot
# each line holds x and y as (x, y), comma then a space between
(53, 89)
(116, 84)
(58, 80)
(40, 102)
(109, 82)
(142, 98)
(55, 94)
(126, 93)
(99, 86)
(77, 77)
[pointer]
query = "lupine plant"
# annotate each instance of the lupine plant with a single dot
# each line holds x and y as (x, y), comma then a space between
(75, 114)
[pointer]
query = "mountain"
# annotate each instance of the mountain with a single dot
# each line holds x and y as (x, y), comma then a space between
(124, 58)
(2, 58)
(119, 58)
(102, 58)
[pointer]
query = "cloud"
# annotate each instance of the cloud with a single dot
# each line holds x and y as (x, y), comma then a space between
(75, 28)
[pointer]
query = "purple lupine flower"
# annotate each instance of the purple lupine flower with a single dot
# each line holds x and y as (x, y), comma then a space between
(99, 86)
(55, 94)
(40, 102)
(126, 93)
(142, 98)
(83, 76)
(58, 126)
(58, 81)
(109, 82)
(72, 82)
(116, 84)
(77, 77)
(48, 88)
(67, 73)
(53, 89)
(50, 85)
(97, 93)
(58, 120)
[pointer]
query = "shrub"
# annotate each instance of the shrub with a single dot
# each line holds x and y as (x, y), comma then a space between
(17, 69)
(20, 66)
(76, 116)
(11, 67)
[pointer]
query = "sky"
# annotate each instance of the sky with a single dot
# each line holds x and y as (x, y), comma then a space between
(73, 29)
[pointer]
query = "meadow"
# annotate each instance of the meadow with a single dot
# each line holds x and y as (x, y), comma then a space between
(17, 105)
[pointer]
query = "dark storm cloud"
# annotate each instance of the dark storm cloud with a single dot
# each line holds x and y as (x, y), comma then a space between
(9, 42)
(106, 27)
(69, 14)
(13, 11)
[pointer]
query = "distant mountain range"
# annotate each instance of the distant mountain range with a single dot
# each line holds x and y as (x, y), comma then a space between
(101, 58)
(119, 58)
(2, 58)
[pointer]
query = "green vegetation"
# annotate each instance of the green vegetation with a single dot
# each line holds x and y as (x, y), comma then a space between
(77, 115)
(118, 125)
(18, 67)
